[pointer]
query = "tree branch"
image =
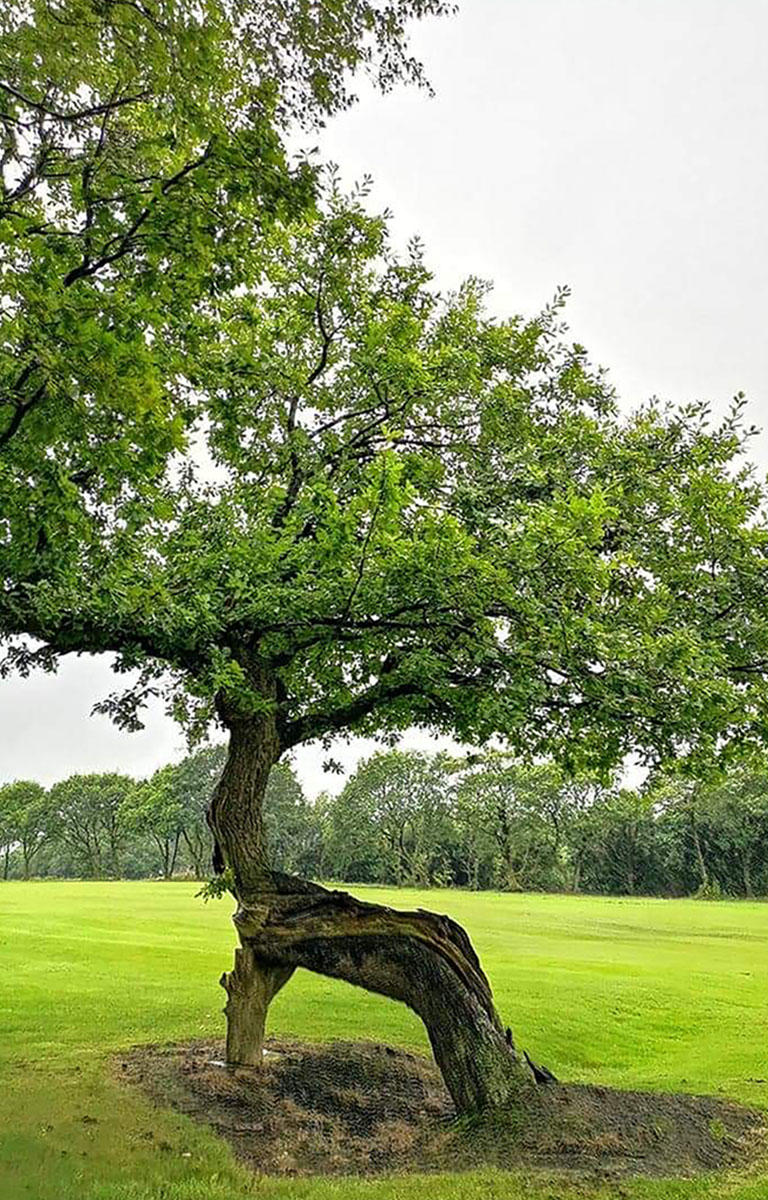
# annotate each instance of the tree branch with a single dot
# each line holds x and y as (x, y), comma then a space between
(318, 724)
(71, 118)
(124, 241)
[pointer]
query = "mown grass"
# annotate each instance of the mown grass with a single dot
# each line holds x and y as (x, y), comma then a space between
(633, 993)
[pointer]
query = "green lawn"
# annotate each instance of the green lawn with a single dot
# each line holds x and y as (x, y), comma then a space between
(635, 993)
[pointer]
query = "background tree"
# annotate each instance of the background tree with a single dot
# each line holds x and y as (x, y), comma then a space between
(522, 806)
(350, 844)
(7, 835)
(91, 820)
(403, 799)
(27, 820)
(476, 848)
(196, 778)
(586, 827)
(587, 834)
(566, 809)
(737, 808)
(171, 807)
(156, 809)
(625, 848)
(289, 822)
(686, 828)
(420, 516)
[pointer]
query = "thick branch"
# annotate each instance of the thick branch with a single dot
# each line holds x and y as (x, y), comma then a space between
(317, 724)
(68, 636)
(121, 244)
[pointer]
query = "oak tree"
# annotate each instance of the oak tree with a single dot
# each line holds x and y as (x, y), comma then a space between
(195, 778)
(91, 822)
(401, 802)
(250, 451)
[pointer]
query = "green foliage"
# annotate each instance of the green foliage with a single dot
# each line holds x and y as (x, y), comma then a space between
(522, 811)
(392, 822)
(292, 827)
(110, 825)
(481, 822)
(142, 162)
(515, 826)
(26, 818)
(170, 808)
(91, 822)
(401, 512)
(709, 891)
(218, 886)
(251, 451)
(722, 824)
(195, 778)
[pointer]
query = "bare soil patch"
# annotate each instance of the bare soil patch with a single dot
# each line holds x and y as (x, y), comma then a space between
(366, 1109)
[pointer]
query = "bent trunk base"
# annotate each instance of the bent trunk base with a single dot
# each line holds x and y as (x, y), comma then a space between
(419, 958)
(422, 959)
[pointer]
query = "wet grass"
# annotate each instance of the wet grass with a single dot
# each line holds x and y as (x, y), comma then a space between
(666, 995)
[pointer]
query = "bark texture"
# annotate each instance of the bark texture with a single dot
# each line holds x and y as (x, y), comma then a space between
(420, 958)
(251, 987)
(235, 815)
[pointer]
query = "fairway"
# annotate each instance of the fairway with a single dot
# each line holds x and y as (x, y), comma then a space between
(650, 994)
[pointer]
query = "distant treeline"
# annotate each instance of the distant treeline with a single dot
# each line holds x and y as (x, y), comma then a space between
(410, 819)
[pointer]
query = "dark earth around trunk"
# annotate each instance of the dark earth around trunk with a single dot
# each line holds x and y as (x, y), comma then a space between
(367, 1109)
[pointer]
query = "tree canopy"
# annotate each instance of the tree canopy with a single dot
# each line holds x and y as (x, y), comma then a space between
(25, 820)
(90, 821)
(399, 511)
(393, 817)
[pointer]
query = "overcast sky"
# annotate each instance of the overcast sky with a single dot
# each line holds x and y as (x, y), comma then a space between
(617, 146)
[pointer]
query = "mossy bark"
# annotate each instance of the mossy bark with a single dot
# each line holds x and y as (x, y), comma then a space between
(420, 958)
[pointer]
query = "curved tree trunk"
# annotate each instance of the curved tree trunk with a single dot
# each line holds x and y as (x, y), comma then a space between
(420, 958)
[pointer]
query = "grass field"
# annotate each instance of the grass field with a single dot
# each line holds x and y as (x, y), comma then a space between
(667, 995)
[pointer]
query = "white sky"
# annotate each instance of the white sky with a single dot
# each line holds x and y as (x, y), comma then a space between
(619, 148)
